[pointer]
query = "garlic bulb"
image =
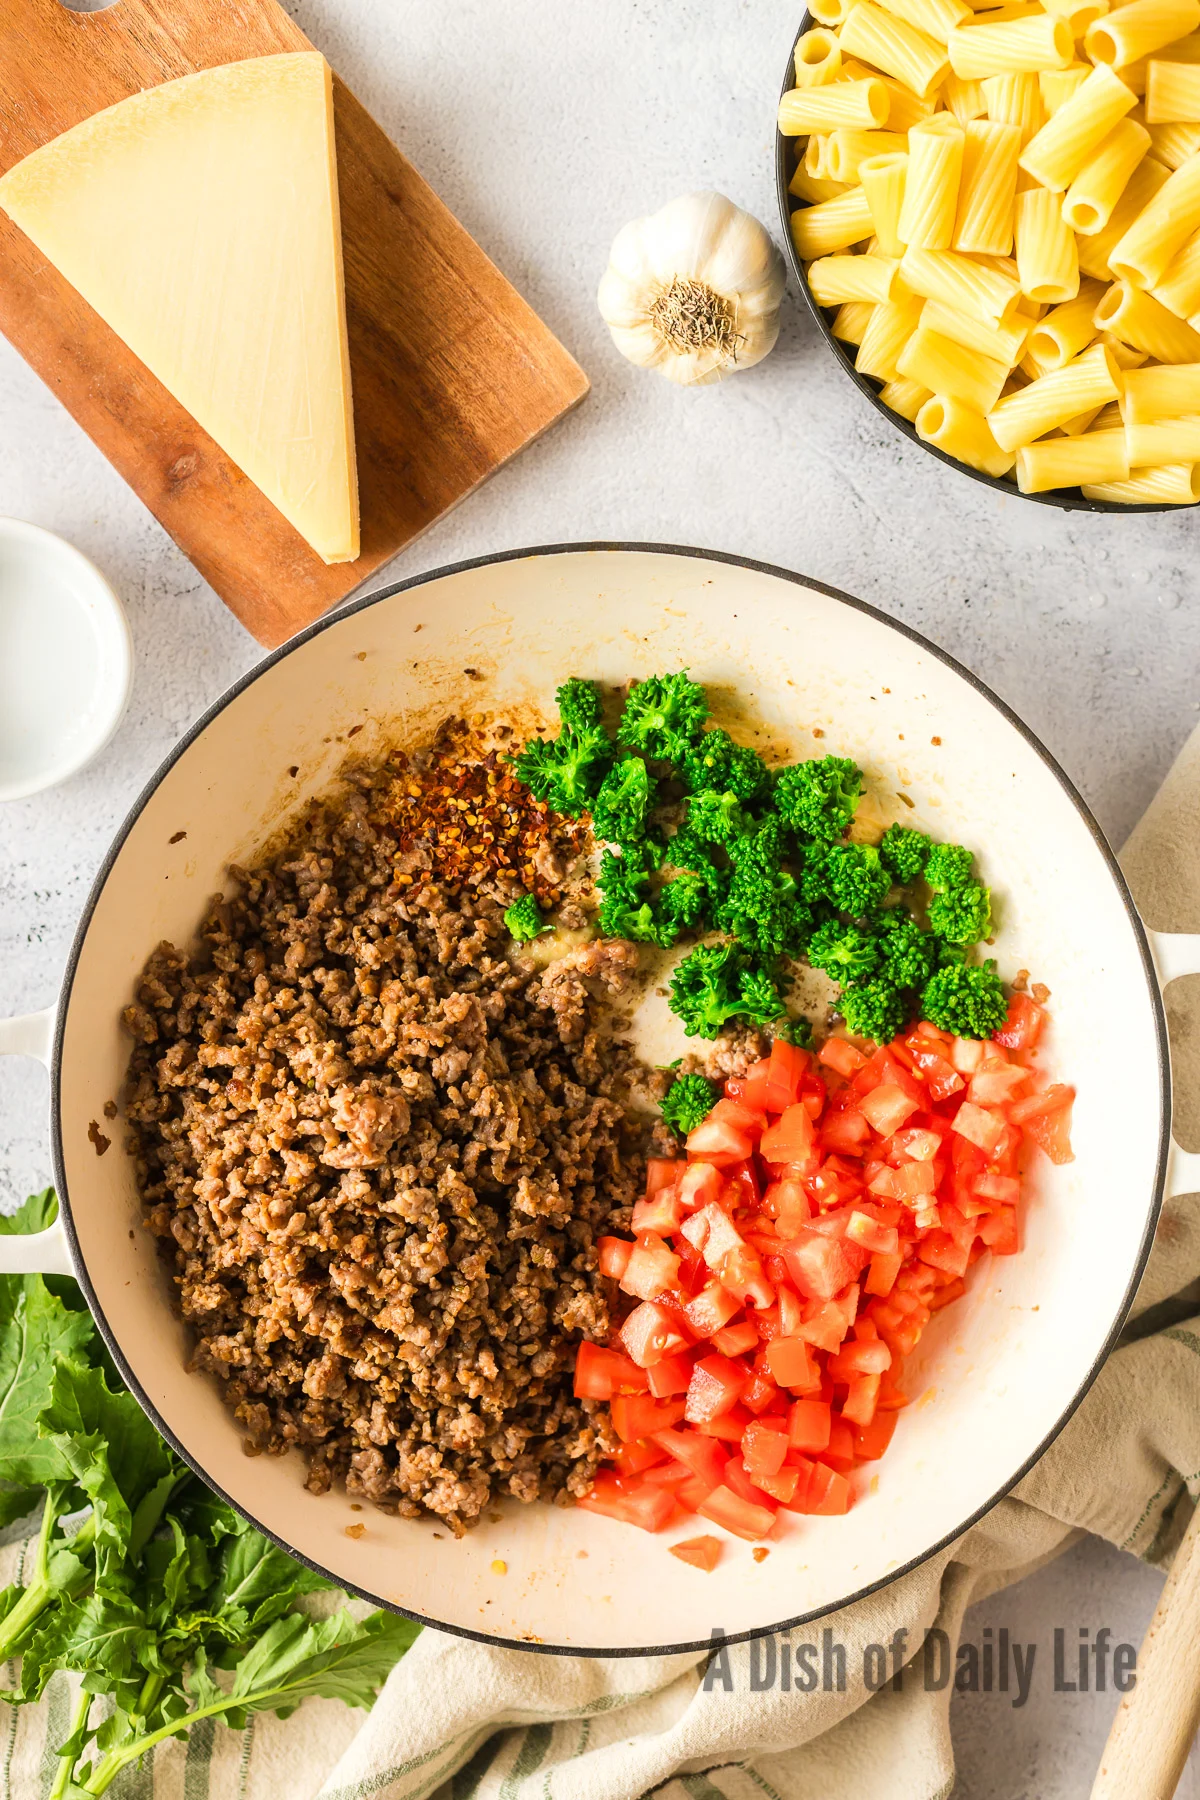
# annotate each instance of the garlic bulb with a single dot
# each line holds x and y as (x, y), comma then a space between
(694, 290)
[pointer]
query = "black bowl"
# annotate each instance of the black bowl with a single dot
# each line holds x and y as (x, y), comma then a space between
(1068, 499)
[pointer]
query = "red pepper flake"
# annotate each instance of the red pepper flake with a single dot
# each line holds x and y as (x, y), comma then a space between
(472, 815)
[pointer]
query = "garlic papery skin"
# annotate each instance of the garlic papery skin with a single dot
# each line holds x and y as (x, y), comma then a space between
(694, 290)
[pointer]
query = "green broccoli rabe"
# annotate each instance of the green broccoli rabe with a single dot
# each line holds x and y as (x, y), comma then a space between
(966, 999)
(683, 901)
(903, 851)
(850, 876)
(524, 919)
(663, 715)
(817, 798)
(624, 803)
(715, 761)
(908, 956)
(579, 704)
(875, 1008)
(843, 951)
(689, 1101)
(762, 905)
(626, 910)
(960, 909)
(566, 772)
(720, 982)
(714, 818)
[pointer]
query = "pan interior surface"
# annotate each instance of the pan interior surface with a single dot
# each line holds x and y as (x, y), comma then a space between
(802, 672)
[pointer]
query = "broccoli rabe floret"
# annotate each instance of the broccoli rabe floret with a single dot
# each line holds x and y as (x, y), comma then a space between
(904, 851)
(796, 1031)
(843, 951)
(966, 999)
(714, 818)
(961, 907)
(579, 704)
(818, 798)
(524, 919)
(626, 910)
(908, 956)
(715, 761)
(683, 900)
(762, 904)
(624, 802)
(567, 771)
(874, 1008)
(689, 1100)
(850, 876)
(688, 897)
(663, 715)
(720, 982)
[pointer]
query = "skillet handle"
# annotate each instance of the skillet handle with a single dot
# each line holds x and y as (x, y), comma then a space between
(43, 1252)
(1152, 1732)
(1177, 953)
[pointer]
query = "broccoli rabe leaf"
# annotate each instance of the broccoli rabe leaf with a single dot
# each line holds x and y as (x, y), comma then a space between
(624, 802)
(720, 982)
(663, 715)
(689, 1100)
(566, 772)
(817, 798)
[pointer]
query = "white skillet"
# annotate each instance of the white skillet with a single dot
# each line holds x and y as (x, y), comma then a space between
(996, 1376)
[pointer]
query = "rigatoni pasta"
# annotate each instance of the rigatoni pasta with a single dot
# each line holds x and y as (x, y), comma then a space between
(1006, 242)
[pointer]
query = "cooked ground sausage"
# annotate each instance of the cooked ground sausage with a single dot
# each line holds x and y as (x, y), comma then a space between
(379, 1149)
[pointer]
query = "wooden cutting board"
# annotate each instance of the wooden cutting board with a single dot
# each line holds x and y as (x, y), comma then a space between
(453, 373)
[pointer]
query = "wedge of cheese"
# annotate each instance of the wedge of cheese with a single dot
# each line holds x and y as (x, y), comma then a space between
(200, 220)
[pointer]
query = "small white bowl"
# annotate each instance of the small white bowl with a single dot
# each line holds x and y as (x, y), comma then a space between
(66, 660)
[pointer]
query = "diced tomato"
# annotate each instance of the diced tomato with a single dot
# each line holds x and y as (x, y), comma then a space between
(669, 1377)
(743, 1517)
(689, 1493)
(652, 1268)
(662, 1172)
(670, 1473)
(727, 1135)
(736, 1340)
(630, 1502)
(881, 1276)
(826, 1492)
(791, 1306)
(637, 1416)
(793, 1365)
(978, 1127)
(613, 1255)
(661, 1213)
(837, 1054)
(650, 1333)
(861, 1399)
(839, 1452)
(728, 1426)
(786, 1069)
(846, 1131)
(701, 1456)
(713, 1233)
(700, 1184)
(1023, 1026)
(760, 1391)
(741, 1272)
(1046, 1117)
(750, 1089)
(739, 1481)
(764, 1447)
(860, 1359)
(809, 1423)
(821, 1265)
(717, 1384)
(710, 1309)
(633, 1459)
(601, 1373)
(876, 1239)
(887, 1107)
(996, 1087)
(700, 1552)
(787, 1201)
(1001, 1232)
(790, 1139)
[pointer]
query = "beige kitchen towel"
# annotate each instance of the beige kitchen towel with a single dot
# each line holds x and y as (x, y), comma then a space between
(460, 1721)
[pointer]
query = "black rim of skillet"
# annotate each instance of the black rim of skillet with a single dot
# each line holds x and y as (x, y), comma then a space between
(417, 582)
(1067, 499)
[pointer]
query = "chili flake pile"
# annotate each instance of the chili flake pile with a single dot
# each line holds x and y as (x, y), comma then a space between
(475, 819)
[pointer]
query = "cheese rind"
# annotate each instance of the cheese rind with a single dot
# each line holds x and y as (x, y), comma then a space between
(200, 220)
